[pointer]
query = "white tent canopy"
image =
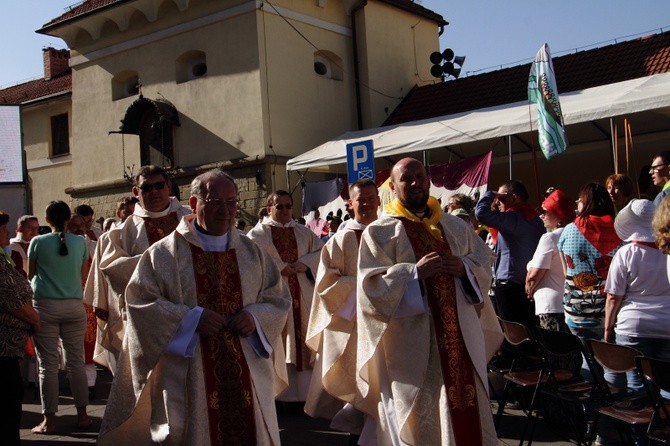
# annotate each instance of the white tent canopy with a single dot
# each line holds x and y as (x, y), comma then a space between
(632, 96)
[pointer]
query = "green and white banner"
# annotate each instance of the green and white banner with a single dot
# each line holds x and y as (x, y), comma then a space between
(543, 92)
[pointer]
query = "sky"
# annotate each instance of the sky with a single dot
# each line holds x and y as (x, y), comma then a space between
(490, 34)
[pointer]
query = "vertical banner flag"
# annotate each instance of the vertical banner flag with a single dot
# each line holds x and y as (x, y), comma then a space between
(543, 92)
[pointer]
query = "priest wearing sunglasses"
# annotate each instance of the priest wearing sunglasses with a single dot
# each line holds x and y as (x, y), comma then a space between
(156, 215)
(296, 251)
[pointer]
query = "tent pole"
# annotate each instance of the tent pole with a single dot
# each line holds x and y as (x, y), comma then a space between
(288, 179)
(424, 155)
(509, 147)
(614, 148)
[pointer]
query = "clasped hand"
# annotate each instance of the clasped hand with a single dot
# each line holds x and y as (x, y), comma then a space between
(433, 263)
(294, 268)
(212, 322)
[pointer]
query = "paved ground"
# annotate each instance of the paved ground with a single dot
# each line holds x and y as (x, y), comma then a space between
(297, 429)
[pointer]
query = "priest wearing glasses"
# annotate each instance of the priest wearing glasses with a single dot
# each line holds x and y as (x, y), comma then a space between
(156, 215)
(202, 359)
(296, 251)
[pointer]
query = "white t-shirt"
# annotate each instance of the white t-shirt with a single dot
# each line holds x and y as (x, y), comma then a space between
(638, 273)
(549, 292)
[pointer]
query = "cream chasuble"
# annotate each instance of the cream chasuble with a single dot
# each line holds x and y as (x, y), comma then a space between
(161, 397)
(398, 364)
(308, 250)
(116, 255)
(332, 325)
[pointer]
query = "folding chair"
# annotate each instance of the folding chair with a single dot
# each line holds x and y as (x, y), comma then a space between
(564, 384)
(655, 375)
(525, 371)
(627, 408)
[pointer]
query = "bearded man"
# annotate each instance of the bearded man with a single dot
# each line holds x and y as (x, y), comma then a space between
(423, 278)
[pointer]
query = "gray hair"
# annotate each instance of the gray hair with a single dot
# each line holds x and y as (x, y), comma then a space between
(198, 185)
(24, 219)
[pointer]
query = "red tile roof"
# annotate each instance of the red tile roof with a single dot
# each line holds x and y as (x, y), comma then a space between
(90, 6)
(82, 8)
(613, 63)
(37, 89)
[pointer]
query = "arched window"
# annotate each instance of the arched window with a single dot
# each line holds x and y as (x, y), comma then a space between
(153, 120)
(328, 65)
(190, 65)
(125, 84)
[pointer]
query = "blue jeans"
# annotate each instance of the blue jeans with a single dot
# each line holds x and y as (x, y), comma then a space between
(652, 347)
(585, 333)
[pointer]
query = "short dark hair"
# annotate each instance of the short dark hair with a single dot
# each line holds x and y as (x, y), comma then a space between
(149, 170)
(517, 188)
(360, 184)
(664, 155)
(277, 194)
(84, 210)
(125, 201)
(465, 201)
(4, 218)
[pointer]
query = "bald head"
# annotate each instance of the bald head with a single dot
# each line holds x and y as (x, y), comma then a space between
(411, 184)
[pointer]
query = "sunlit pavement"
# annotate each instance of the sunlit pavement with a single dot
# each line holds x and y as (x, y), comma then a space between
(297, 429)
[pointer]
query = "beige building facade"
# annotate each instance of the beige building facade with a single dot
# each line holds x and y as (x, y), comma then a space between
(243, 85)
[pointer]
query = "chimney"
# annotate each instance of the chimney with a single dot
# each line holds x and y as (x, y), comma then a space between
(55, 62)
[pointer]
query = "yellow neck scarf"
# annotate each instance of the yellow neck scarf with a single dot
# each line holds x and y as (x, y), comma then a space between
(431, 223)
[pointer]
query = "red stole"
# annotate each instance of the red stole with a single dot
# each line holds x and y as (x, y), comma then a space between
(457, 369)
(157, 228)
(90, 334)
(286, 244)
(230, 406)
(18, 260)
(91, 325)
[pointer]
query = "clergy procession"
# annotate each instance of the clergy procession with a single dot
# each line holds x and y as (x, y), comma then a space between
(389, 323)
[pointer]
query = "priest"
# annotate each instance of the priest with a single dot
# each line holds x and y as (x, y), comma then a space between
(156, 215)
(295, 250)
(426, 328)
(202, 358)
(332, 325)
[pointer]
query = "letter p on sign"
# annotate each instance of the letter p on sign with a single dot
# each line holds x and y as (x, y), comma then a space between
(360, 156)
(360, 161)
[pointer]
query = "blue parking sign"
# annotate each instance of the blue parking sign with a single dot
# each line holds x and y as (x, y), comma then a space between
(360, 161)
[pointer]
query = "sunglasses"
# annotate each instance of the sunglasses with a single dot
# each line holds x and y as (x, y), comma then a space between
(145, 187)
(281, 207)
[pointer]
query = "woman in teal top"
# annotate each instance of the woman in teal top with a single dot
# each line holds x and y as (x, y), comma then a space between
(56, 264)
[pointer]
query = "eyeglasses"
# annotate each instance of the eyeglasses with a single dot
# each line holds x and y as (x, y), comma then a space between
(656, 168)
(281, 207)
(146, 187)
(230, 202)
